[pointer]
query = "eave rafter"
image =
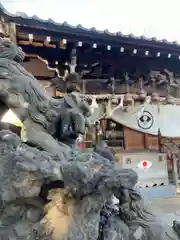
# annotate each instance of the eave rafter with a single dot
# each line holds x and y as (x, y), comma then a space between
(21, 19)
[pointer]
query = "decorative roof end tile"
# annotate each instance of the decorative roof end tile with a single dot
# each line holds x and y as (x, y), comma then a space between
(66, 24)
(106, 31)
(119, 34)
(93, 29)
(154, 39)
(35, 17)
(50, 20)
(79, 26)
(175, 43)
(131, 35)
(21, 14)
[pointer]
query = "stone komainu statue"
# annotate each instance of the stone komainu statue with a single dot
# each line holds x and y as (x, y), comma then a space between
(35, 108)
(51, 190)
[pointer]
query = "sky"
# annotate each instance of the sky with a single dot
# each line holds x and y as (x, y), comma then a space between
(152, 18)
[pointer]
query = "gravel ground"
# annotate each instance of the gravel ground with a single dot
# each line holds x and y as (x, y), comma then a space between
(168, 209)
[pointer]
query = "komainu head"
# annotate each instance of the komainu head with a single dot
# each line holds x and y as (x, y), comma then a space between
(10, 50)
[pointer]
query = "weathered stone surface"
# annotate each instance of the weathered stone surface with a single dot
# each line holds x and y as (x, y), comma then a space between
(49, 189)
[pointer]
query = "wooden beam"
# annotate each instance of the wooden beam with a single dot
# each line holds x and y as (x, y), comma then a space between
(35, 44)
(107, 96)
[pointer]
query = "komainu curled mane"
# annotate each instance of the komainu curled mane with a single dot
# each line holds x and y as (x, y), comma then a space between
(49, 189)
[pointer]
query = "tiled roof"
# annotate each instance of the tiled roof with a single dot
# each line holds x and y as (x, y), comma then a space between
(93, 30)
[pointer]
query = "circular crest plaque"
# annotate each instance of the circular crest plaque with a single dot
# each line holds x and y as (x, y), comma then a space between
(146, 120)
